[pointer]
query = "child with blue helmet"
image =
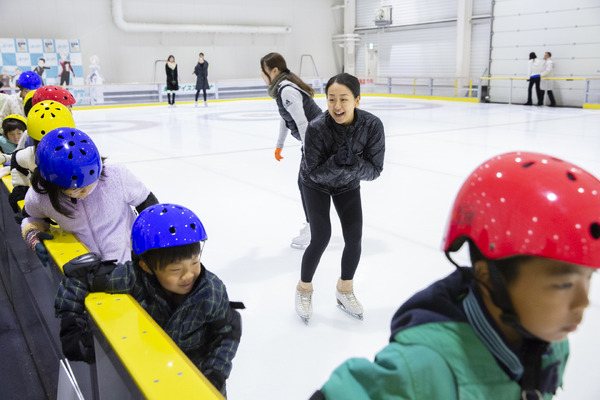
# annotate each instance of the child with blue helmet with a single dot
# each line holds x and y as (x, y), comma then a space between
(72, 186)
(168, 280)
(498, 329)
(26, 82)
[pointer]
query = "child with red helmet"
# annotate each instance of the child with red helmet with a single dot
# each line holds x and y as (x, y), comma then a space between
(497, 330)
(168, 280)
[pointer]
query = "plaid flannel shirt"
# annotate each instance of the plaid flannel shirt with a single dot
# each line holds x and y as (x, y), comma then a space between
(196, 325)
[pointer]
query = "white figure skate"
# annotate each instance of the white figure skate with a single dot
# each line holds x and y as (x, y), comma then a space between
(302, 240)
(304, 301)
(347, 301)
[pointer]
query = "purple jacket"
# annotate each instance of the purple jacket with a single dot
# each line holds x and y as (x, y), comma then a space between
(102, 220)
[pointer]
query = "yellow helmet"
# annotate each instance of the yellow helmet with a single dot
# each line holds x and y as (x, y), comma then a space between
(16, 116)
(46, 116)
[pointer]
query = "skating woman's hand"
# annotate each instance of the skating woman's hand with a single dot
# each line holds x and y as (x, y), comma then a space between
(278, 155)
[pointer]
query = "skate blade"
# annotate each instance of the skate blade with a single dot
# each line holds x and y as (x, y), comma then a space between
(305, 320)
(357, 316)
(298, 246)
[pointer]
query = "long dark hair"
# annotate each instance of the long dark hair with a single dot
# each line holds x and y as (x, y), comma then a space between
(60, 201)
(276, 60)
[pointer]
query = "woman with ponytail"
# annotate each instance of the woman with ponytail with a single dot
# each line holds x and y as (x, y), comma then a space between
(297, 108)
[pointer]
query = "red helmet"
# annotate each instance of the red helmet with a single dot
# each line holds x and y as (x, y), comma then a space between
(528, 204)
(55, 93)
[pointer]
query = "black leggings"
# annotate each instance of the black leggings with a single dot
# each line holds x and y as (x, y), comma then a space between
(536, 82)
(203, 92)
(349, 209)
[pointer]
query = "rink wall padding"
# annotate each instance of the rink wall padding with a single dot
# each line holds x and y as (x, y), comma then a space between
(133, 353)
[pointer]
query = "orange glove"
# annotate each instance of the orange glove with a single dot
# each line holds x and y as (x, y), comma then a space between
(278, 156)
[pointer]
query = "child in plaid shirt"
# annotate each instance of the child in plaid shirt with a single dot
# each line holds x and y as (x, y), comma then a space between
(167, 279)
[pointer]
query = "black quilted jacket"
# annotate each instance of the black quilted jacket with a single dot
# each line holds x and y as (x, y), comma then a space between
(366, 138)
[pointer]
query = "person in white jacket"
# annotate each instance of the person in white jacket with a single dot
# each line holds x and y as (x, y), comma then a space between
(547, 84)
(534, 69)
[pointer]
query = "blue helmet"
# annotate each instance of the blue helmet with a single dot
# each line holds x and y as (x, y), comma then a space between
(165, 225)
(29, 80)
(68, 158)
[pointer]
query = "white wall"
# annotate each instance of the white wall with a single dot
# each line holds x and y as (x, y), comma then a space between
(130, 57)
(569, 30)
(422, 40)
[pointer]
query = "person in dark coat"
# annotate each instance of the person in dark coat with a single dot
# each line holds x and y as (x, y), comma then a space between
(201, 72)
(172, 79)
(342, 147)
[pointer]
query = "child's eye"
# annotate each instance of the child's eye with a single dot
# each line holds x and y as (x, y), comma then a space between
(564, 285)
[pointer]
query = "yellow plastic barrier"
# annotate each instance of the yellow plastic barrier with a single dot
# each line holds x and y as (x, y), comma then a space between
(155, 363)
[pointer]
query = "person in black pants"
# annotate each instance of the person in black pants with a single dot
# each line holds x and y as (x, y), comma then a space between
(172, 80)
(534, 69)
(342, 147)
(201, 72)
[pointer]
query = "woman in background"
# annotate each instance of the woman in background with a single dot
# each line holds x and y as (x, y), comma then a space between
(172, 80)
(297, 108)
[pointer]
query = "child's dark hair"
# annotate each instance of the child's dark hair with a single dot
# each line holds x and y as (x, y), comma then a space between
(159, 258)
(350, 81)
(58, 199)
(532, 56)
(276, 60)
(10, 124)
(507, 267)
(27, 106)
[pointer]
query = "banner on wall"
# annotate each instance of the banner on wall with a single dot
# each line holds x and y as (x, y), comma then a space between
(57, 61)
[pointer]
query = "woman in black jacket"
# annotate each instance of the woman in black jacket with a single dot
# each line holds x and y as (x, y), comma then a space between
(342, 147)
(172, 79)
(201, 72)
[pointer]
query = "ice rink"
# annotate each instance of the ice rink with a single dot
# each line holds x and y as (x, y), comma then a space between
(219, 162)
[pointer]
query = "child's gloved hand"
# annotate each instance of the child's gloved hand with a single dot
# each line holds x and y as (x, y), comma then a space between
(278, 156)
(77, 339)
(34, 239)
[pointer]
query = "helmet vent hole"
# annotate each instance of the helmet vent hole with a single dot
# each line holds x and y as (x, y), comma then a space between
(70, 156)
(83, 141)
(60, 136)
(83, 153)
(92, 172)
(529, 164)
(53, 115)
(71, 143)
(193, 226)
(57, 148)
(164, 210)
(43, 132)
(172, 229)
(595, 230)
(74, 177)
(571, 176)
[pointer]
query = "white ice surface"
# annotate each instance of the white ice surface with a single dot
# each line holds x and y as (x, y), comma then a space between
(219, 162)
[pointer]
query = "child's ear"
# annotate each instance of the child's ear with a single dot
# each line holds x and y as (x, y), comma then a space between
(145, 267)
(482, 272)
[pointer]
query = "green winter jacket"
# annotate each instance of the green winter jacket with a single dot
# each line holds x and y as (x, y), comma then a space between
(436, 361)
(443, 359)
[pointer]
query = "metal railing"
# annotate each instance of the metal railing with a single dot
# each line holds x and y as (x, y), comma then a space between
(499, 89)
